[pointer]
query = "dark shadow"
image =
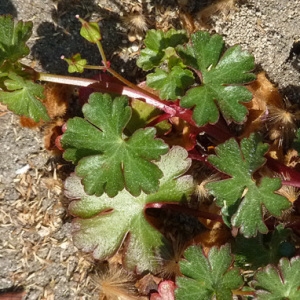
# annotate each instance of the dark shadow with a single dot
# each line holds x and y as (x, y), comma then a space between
(7, 8)
(294, 56)
(165, 219)
(292, 92)
(62, 37)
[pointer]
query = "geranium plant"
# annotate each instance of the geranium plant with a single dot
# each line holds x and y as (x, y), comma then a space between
(178, 171)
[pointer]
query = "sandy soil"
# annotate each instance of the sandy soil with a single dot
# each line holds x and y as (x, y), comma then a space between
(36, 250)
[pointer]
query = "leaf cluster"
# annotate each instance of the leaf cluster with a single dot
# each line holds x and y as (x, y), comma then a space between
(116, 159)
(220, 74)
(19, 92)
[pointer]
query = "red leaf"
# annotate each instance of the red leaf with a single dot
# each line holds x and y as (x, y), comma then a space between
(165, 291)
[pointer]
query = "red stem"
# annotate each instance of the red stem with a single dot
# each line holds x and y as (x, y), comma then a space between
(159, 119)
(217, 131)
(195, 155)
(220, 134)
(132, 93)
(292, 176)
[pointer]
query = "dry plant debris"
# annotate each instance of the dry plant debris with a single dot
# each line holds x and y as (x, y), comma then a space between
(35, 233)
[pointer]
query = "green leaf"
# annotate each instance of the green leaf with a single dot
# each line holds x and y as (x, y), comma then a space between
(279, 283)
(271, 247)
(23, 97)
(171, 85)
(158, 47)
(108, 160)
(240, 162)
(142, 114)
(105, 224)
(76, 63)
(207, 277)
(14, 36)
(222, 77)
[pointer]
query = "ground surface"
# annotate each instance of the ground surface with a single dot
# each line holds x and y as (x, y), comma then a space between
(36, 250)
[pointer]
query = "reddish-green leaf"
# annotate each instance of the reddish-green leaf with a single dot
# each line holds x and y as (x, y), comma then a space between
(282, 282)
(104, 224)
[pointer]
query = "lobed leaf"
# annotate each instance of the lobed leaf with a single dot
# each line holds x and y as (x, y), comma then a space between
(157, 43)
(104, 224)
(240, 194)
(207, 277)
(222, 77)
(170, 85)
(108, 160)
(23, 97)
(14, 36)
(76, 63)
(282, 282)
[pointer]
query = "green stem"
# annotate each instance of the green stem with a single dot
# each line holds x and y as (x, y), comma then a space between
(95, 67)
(102, 53)
(127, 82)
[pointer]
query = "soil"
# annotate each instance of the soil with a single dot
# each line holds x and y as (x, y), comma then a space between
(37, 255)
